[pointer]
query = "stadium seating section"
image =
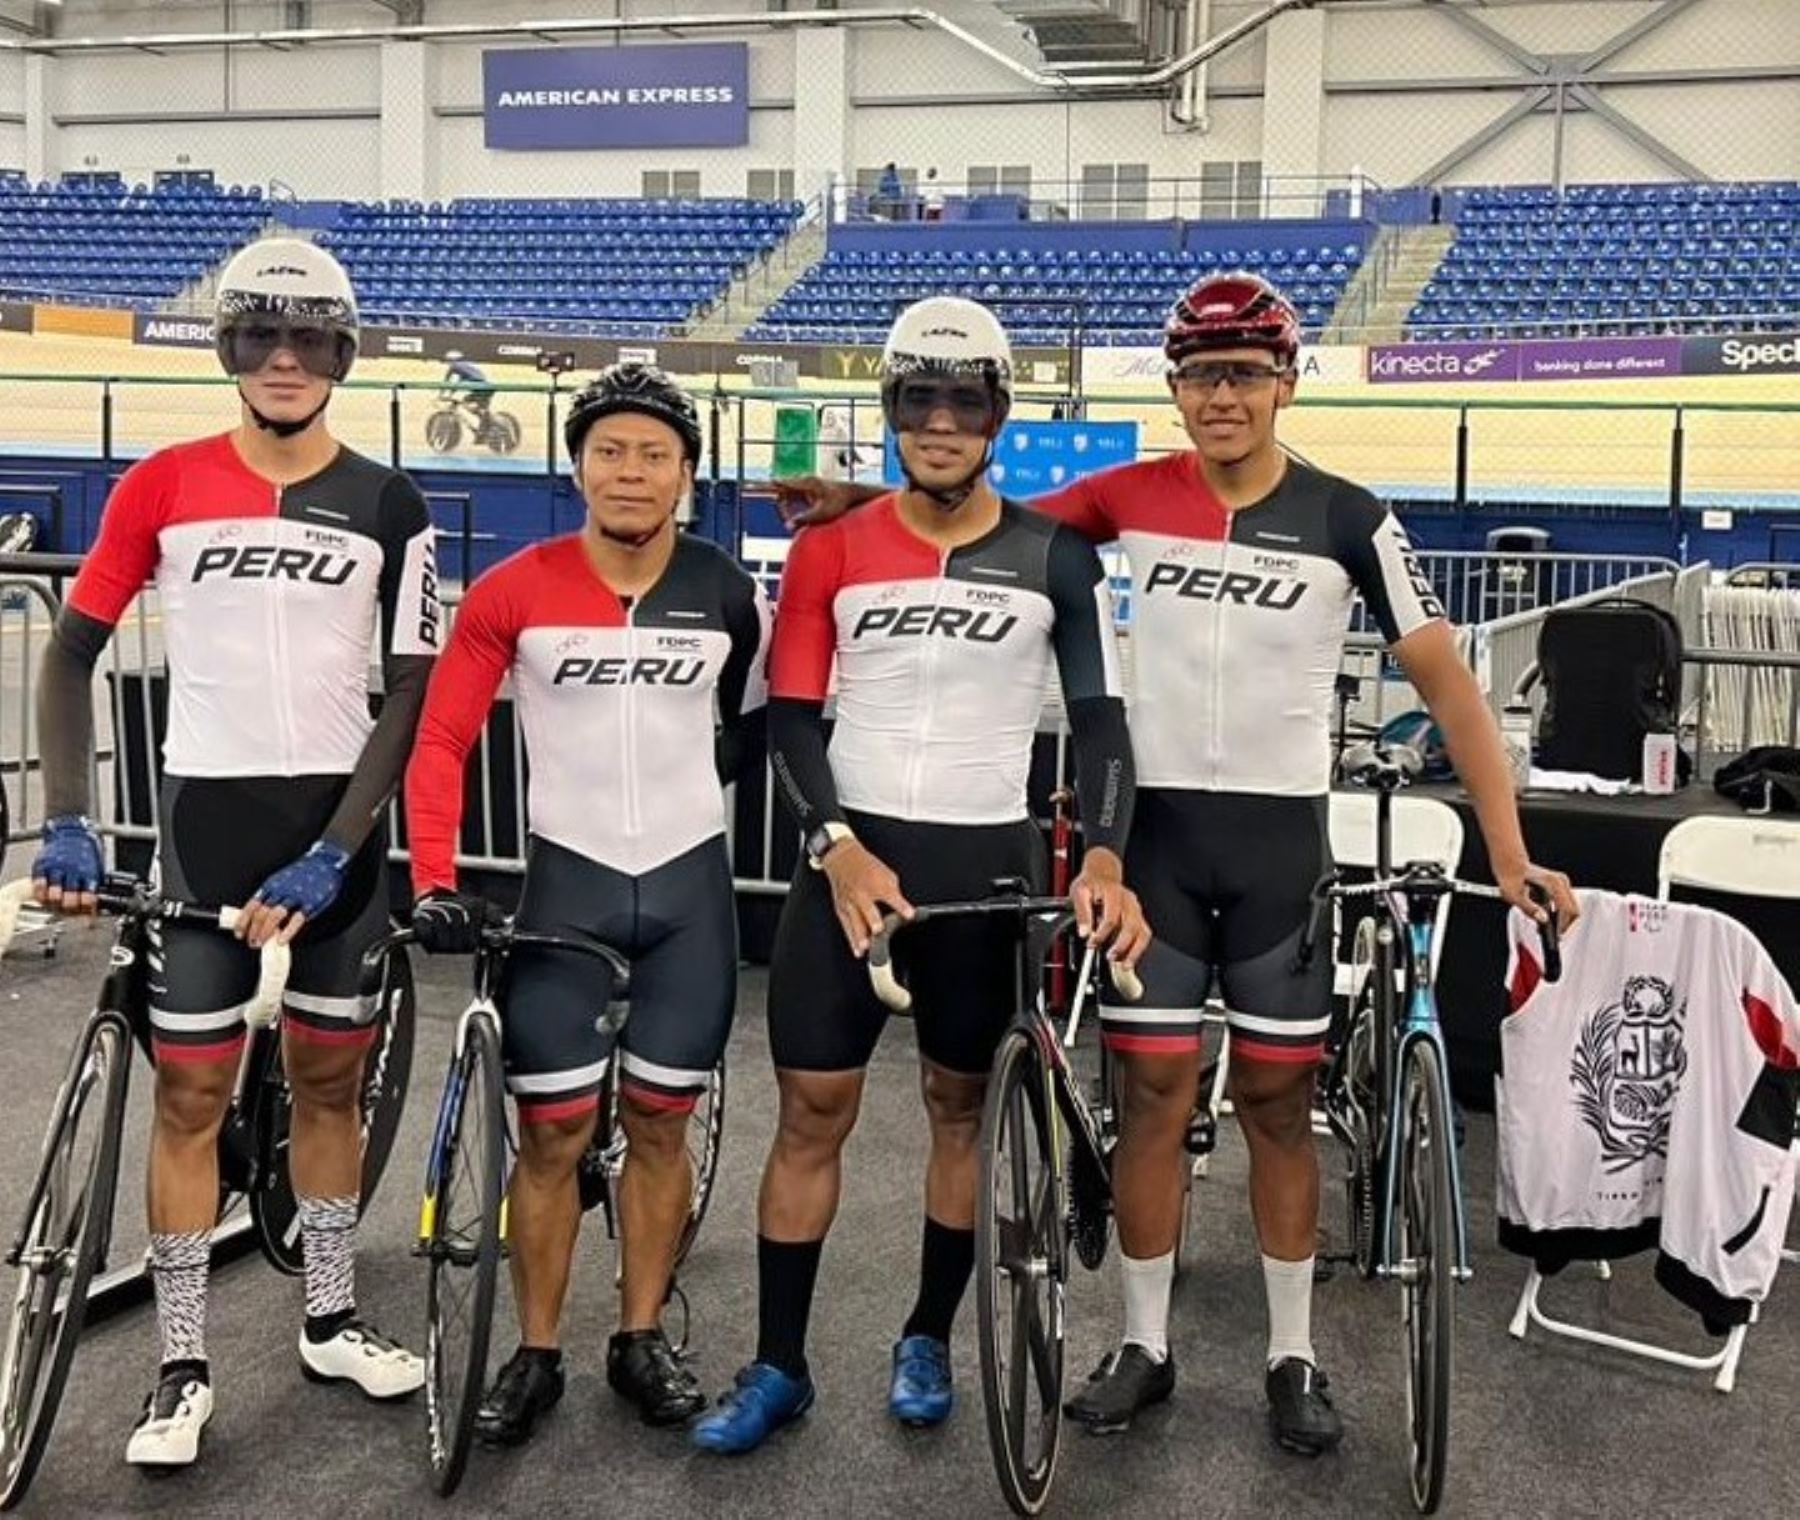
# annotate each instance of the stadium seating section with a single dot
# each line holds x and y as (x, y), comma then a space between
(1626, 259)
(106, 246)
(610, 268)
(1119, 296)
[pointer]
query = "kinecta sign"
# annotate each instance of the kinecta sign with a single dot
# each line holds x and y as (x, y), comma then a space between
(617, 97)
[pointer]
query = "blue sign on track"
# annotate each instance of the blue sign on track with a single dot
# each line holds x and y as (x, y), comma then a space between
(1032, 456)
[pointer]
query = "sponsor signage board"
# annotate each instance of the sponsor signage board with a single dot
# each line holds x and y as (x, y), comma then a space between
(695, 96)
(160, 331)
(1742, 354)
(1032, 456)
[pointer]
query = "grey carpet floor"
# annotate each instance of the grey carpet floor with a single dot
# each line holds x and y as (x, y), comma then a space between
(1541, 1428)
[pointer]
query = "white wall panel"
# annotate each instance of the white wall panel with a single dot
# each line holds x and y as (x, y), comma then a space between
(323, 160)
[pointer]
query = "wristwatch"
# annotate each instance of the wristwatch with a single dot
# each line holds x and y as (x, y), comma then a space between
(820, 841)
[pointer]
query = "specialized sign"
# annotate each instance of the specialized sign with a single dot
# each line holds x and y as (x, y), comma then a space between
(617, 97)
(1742, 354)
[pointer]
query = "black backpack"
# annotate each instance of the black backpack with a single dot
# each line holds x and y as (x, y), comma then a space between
(1765, 779)
(1612, 674)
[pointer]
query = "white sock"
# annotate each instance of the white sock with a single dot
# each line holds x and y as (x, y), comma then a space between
(1289, 1286)
(1147, 1285)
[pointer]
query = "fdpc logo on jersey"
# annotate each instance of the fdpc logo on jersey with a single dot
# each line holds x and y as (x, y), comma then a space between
(1207, 583)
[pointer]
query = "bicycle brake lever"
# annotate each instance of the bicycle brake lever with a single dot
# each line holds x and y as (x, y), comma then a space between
(1549, 932)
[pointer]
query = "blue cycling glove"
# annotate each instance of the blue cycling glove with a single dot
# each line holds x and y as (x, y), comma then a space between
(71, 857)
(310, 884)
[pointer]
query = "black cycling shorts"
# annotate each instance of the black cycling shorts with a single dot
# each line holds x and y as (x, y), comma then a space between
(218, 840)
(1225, 880)
(676, 925)
(824, 1015)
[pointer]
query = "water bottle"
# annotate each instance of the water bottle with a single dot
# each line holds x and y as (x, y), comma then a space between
(1659, 764)
(1515, 734)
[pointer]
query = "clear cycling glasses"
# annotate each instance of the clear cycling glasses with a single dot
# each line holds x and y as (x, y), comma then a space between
(1238, 375)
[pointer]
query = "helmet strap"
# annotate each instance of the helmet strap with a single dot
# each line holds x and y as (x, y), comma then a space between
(283, 429)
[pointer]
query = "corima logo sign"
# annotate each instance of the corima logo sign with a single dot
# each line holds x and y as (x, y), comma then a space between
(626, 97)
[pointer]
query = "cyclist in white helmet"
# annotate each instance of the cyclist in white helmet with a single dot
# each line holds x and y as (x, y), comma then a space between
(943, 609)
(278, 555)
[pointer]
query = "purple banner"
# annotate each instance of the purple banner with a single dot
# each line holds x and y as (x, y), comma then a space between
(623, 97)
(1553, 359)
(1600, 359)
(1439, 363)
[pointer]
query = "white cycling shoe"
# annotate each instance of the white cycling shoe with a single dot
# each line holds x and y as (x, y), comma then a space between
(362, 1355)
(167, 1435)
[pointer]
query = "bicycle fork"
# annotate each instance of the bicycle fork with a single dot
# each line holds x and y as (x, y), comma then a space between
(449, 1115)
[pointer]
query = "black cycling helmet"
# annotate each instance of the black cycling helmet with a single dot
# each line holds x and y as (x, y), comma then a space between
(640, 388)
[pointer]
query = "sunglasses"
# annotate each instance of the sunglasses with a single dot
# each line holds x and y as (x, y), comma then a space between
(1206, 378)
(973, 406)
(251, 345)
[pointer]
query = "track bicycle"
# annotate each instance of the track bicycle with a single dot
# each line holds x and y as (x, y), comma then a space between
(1386, 1096)
(463, 1216)
(1045, 1190)
(65, 1236)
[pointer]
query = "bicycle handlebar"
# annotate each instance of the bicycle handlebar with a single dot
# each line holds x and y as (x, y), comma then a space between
(1428, 878)
(126, 896)
(893, 993)
(502, 937)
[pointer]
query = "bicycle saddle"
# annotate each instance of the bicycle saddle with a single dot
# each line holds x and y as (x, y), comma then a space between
(1386, 768)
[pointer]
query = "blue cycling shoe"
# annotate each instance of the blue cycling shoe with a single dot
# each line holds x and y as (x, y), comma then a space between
(921, 1393)
(763, 1399)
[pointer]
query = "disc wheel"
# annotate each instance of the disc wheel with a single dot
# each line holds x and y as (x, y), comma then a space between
(443, 432)
(62, 1245)
(461, 1232)
(1022, 1269)
(1427, 1275)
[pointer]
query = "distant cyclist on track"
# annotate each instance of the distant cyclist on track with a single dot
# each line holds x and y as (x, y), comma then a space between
(280, 559)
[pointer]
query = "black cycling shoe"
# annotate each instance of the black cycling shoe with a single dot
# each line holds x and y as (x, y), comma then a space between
(641, 1366)
(1301, 1415)
(528, 1386)
(1126, 1381)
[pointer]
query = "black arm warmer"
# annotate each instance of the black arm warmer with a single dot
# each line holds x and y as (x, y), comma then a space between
(383, 759)
(65, 710)
(797, 757)
(1105, 777)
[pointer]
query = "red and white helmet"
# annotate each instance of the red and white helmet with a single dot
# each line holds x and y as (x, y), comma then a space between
(1236, 309)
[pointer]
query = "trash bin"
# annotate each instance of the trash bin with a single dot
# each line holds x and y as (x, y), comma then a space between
(1512, 579)
(796, 441)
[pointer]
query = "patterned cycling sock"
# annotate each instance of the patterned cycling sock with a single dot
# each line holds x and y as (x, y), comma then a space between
(328, 1248)
(946, 1260)
(1289, 1285)
(178, 1268)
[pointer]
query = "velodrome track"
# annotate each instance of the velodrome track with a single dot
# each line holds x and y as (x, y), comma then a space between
(1606, 442)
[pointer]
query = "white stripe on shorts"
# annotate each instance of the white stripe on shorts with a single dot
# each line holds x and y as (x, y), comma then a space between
(1252, 1023)
(1136, 1013)
(662, 1076)
(558, 1081)
(351, 1010)
(195, 1023)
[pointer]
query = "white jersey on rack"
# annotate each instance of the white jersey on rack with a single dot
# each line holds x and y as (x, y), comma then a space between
(1648, 1098)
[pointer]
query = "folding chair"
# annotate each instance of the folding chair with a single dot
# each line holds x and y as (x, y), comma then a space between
(1743, 857)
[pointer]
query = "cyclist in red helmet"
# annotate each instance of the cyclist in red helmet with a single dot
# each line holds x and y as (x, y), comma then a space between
(1245, 563)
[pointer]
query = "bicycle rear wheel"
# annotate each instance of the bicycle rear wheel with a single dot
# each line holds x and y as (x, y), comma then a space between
(1022, 1268)
(61, 1246)
(1427, 1268)
(706, 1130)
(461, 1229)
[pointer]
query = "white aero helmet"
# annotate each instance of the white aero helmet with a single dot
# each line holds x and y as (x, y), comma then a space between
(949, 335)
(287, 280)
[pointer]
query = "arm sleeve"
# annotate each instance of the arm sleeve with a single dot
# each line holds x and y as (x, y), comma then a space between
(410, 622)
(124, 556)
(1080, 505)
(744, 683)
(456, 706)
(800, 658)
(1087, 660)
(1374, 549)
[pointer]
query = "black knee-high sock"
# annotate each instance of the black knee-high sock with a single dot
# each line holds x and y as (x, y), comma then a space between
(785, 1274)
(946, 1260)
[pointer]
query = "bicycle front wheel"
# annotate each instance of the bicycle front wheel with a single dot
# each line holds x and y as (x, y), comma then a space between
(461, 1230)
(61, 1247)
(1022, 1269)
(1427, 1267)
